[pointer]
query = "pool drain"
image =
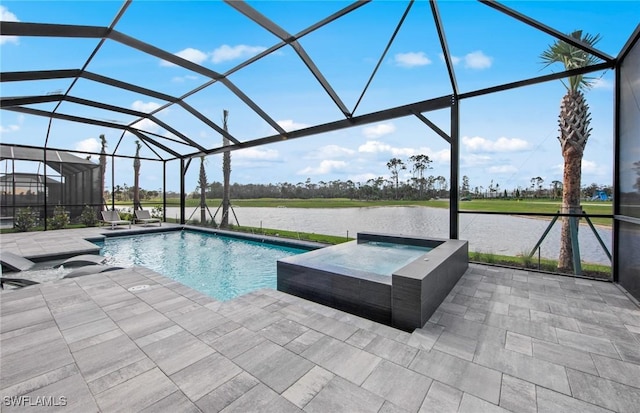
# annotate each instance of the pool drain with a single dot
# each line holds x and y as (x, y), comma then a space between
(138, 288)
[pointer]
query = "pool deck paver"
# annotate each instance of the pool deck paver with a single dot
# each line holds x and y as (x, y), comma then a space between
(504, 340)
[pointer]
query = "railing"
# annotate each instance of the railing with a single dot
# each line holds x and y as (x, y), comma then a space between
(598, 253)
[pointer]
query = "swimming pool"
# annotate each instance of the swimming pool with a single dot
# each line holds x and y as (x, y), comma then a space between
(221, 267)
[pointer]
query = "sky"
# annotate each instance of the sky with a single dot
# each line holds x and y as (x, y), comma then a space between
(506, 138)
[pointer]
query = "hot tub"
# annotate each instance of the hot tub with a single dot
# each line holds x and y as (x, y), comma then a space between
(392, 279)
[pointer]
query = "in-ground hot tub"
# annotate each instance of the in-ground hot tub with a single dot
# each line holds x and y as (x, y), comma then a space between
(392, 279)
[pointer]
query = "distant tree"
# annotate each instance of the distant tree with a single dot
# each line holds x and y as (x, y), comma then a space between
(465, 186)
(557, 186)
(395, 165)
(420, 164)
(536, 184)
(591, 190)
(442, 184)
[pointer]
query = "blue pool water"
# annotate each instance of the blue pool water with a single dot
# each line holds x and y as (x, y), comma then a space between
(221, 267)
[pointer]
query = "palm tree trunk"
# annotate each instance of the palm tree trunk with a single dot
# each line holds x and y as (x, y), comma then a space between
(202, 182)
(570, 205)
(136, 178)
(226, 175)
(103, 170)
(574, 128)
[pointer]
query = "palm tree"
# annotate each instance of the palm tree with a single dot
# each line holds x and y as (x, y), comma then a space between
(136, 177)
(420, 163)
(202, 183)
(395, 165)
(226, 175)
(103, 168)
(573, 122)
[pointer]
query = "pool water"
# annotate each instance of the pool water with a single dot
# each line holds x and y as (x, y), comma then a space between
(381, 258)
(221, 267)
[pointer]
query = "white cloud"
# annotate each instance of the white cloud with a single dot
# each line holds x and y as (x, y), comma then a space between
(325, 167)
(363, 177)
(146, 125)
(442, 156)
(602, 84)
(502, 169)
(144, 107)
(7, 16)
(330, 152)
(411, 59)
(290, 124)
(10, 128)
(502, 144)
(221, 54)
(88, 145)
(588, 168)
(226, 52)
(190, 54)
(381, 147)
(472, 160)
(182, 79)
(454, 59)
(477, 60)
(256, 154)
(379, 130)
(592, 168)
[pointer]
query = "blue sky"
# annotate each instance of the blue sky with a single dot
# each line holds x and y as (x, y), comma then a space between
(508, 137)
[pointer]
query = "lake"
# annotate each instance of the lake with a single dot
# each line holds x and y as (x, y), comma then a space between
(499, 234)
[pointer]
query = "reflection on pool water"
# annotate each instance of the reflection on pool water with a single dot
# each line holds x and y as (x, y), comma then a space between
(375, 257)
(221, 267)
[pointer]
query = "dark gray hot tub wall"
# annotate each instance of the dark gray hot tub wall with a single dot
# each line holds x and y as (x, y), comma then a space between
(424, 284)
(358, 292)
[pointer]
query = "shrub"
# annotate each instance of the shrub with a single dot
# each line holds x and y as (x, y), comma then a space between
(490, 258)
(88, 216)
(126, 214)
(60, 218)
(156, 212)
(24, 220)
(527, 261)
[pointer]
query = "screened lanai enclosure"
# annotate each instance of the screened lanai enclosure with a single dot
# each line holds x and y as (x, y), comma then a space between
(40, 180)
(317, 89)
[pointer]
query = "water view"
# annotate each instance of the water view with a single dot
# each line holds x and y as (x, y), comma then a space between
(498, 234)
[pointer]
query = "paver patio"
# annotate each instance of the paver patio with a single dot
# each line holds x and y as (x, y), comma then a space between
(503, 340)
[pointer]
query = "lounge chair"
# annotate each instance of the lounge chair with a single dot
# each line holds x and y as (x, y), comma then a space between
(91, 269)
(82, 260)
(16, 282)
(144, 217)
(14, 262)
(113, 218)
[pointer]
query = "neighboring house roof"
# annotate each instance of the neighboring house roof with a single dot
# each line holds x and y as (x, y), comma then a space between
(64, 163)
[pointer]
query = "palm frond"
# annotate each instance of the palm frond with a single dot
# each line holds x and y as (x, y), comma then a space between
(572, 57)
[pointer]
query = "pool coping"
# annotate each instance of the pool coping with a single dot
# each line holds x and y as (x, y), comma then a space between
(53, 245)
